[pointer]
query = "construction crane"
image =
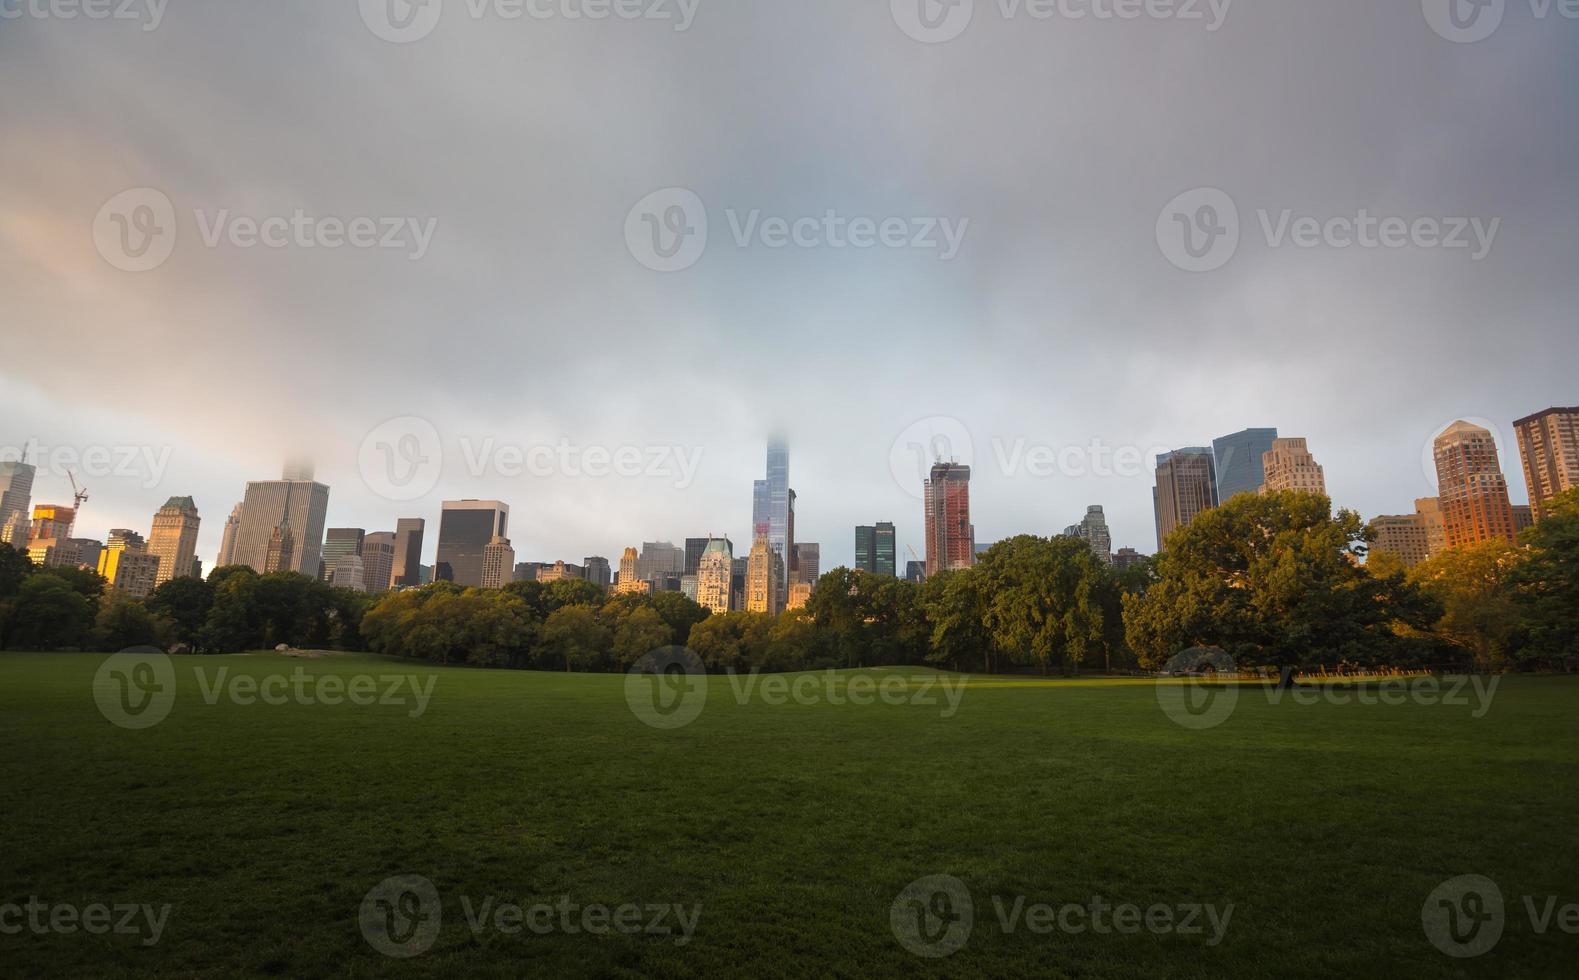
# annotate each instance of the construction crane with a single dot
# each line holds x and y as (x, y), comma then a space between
(915, 557)
(79, 496)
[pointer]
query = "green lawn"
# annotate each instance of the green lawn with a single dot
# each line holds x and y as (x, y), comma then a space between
(793, 826)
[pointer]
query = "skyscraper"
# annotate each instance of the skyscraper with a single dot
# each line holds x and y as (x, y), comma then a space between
(1186, 485)
(1474, 493)
(408, 552)
(267, 505)
(349, 574)
(764, 577)
(173, 539)
(714, 572)
(808, 561)
(282, 548)
(629, 581)
(596, 570)
(378, 561)
(659, 560)
(127, 565)
(227, 541)
(466, 528)
(1549, 451)
(772, 506)
(1288, 465)
(338, 543)
(874, 549)
(1238, 462)
(693, 554)
(1093, 530)
(951, 537)
(16, 497)
(498, 562)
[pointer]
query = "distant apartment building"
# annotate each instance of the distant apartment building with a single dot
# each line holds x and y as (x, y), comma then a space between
(1187, 485)
(1549, 452)
(799, 595)
(378, 561)
(227, 540)
(1473, 491)
(338, 544)
(915, 571)
(950, 535)
(52, 522)
(1093, 530)
(1289, 465)
(693, 554)
(808, 561)
(466, 529)
(409, 532)
(1125, 557)
(282, 549)
(560, 572)
(271, 508)
(1402, 535)
(527, 571)
(498, 563)
(875, 549)
(1523, 517)
(658, 561)
(1238, 463)
(1429, 510)
(349, 574)
(596, 570)
(173, 538)
(764, 575)
(126, 564)
(629, 581)
(714, 576)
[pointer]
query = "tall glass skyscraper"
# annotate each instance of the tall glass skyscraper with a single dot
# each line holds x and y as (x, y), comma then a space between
(466, 529)
(770, 509)
(1237, 460)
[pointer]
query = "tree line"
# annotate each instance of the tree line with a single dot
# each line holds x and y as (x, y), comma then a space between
(1276, 581)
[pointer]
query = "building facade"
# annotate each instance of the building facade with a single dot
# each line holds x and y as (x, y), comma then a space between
(1549, 453)
(596, 570)
(409, 532)
(227, 540)
(378, 561)
(1238, 463)
(808, 561)
(173, 538)
(16, 501)
(1093, 530)
(1402, 535)
(299, 505)
(950, 535)
(1187, 485)
(764, 578)
(714, 576)
(1472, 489)
(498, 562)
(772, 508)
(340, 543)
(466, 529)
(1288, 465)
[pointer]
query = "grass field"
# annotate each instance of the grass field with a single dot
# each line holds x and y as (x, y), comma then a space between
(793, 826)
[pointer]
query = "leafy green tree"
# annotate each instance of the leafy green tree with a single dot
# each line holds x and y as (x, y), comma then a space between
(637, 634)
(125, 622)
(1274, 581)
(1048, 601)
(90, 585)
(1474, 584)
(48, 614)
(732, 641)
(15, 567)
(574, 638)
(186, 603)
(956, 608)
(235, 620)
(1546, 585)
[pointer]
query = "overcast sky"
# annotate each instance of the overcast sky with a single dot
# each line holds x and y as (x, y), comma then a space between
(524, 310)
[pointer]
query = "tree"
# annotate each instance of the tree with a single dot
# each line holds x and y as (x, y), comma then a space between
(637, 634)
(732, 641)
(956, 608)
(14, 568)
(1546, 585)
(235, 620)
(1474, 584)
(124, 622)
(1273, 580)
(48, 614)
(574, 638)
(186, 603)
(1047, 601)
